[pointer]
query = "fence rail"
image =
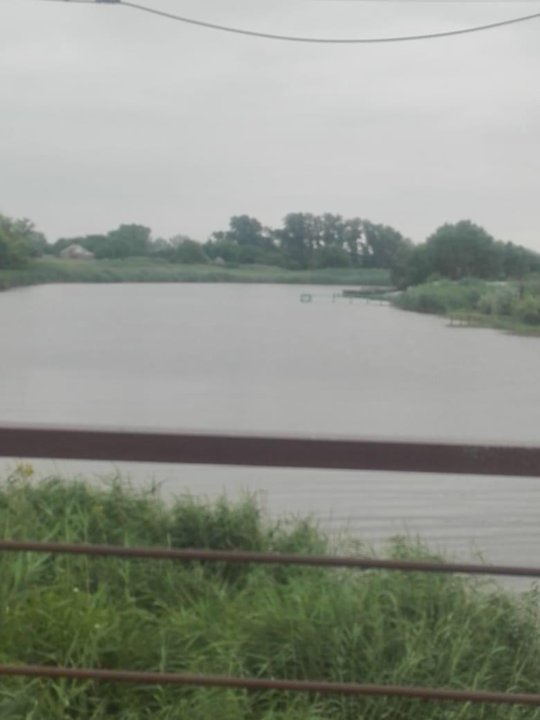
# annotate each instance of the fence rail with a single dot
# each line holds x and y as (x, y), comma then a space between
(255, 451)
(191, 448)
(266, 558)
(253, 684)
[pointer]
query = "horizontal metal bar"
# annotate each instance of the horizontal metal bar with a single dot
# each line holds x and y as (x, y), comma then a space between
(323, 453)
(309, 686)
(265, 558)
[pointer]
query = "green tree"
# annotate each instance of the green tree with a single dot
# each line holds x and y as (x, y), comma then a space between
(517, 261)
(245, 241)
(299, 237)
(19, 241)
(381, 245)
(246, 231)
(220, 248)
(463, 250)
(129, 241)
(332, 231)
(185, 250)
(352, 239)
(408, 262)
(34, 240)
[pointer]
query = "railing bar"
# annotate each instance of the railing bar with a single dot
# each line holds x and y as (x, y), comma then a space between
(241, 450)
(309, 686)
(267, 558)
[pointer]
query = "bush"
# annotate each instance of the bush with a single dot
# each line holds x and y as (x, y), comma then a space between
(498, 302)
(528, 310)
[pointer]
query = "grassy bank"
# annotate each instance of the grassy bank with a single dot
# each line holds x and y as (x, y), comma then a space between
(507, 306)
(245, 620)
(53, 270)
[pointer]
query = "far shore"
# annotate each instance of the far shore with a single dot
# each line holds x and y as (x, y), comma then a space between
(466, 303)
(140, 270)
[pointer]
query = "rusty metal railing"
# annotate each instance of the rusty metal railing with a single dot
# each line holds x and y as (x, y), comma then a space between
(304, 686)
(269, 452)
(266, 558)
(254, 451)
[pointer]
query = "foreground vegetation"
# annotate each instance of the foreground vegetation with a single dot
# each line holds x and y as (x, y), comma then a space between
(508, 306)
(302, 623)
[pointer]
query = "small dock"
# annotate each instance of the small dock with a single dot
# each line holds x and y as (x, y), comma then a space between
(368, 293)
(460, 321)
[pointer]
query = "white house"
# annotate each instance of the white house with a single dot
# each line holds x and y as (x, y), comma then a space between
(76, 252)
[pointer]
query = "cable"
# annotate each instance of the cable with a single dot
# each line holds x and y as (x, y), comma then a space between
(333, 41)
(433, 2)
(325, 41)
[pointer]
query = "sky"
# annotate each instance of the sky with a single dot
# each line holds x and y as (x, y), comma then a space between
(110, 115)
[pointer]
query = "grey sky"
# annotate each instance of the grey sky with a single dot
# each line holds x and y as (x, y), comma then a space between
(110, 115)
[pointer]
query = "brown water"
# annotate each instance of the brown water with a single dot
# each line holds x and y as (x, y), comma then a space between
(254, 358)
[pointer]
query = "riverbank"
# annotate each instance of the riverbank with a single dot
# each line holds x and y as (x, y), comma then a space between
(507, 306)
(252, 621)
(54, 270)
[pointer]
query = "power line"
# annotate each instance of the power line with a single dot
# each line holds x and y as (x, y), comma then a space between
(316, 40)
(415, 2)
(366, 2)
(332, 41)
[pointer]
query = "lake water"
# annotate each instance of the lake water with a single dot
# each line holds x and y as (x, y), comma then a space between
(253, 358)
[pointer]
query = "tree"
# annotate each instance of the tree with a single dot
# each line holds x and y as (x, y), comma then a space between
(332, 231)
(406, 263)
(517, 261)
(219, 248)
(246, 231)
(352, 239)
(19, 241)
(412, 266)
(463, 250)
(300, 236)
(380, 245)
(128, 241)
(187, 251)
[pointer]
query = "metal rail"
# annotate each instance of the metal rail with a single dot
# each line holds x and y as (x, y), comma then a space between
(305, 686)
(241, 450)
(191, 448)
(266, 558)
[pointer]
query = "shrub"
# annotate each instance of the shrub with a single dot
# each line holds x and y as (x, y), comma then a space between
(528, 310)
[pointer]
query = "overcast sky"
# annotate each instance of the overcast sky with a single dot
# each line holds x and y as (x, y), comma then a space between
(111, 116)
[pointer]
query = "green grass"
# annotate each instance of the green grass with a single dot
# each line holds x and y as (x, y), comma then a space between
(503, 305)
(53, 270)
(302, 623)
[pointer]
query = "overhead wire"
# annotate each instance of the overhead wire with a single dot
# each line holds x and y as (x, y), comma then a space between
(316, 40)
(323, 40)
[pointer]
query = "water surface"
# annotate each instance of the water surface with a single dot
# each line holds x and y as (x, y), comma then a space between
(253, 358)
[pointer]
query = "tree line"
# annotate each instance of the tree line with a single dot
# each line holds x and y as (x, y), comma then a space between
(304, 241)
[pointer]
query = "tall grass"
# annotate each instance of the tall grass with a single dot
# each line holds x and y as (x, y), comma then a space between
(53, 270)
(303, 623)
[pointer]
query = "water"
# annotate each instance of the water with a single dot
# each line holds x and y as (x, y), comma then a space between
(253, 358)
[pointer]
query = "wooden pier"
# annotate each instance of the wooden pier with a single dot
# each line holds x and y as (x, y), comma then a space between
(367, 294)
